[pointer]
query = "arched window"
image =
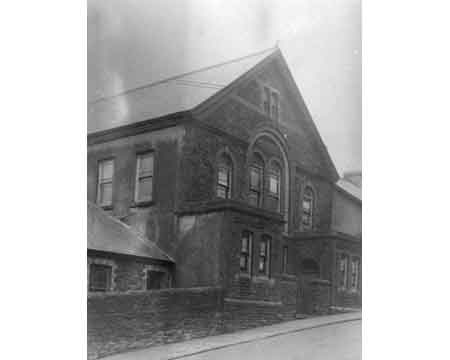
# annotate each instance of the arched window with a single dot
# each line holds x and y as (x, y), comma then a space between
(307, 208)
(224, 177)
(274, 187)
(256, 173)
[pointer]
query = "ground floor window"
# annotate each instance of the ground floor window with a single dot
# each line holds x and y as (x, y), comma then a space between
(264, 256)
(246, 252)
(100, 277)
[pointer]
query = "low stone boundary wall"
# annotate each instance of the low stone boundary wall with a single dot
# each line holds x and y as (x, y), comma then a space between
(118, 322)
(122, 321)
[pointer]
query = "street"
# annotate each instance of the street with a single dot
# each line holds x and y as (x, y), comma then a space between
(337, 341)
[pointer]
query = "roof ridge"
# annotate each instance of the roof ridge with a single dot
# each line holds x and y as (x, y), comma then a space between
(183, 74)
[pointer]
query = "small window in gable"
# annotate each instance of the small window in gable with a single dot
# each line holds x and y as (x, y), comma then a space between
(271, 103)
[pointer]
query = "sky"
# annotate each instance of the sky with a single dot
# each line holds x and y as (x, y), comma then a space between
(135, 42)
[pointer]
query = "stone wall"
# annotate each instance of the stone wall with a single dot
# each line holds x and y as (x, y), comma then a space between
(120, 322)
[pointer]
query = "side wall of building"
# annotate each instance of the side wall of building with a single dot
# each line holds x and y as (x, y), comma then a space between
(347, 216)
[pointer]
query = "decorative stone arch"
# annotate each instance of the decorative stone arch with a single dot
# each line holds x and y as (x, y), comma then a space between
(225, 151)
(280, 141)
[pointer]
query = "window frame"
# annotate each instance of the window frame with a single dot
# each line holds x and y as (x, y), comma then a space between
(258, 192)
(275, 171)
(248, 255)
(139, 177)
(101, 181)
(309, 195)
(225, 162)
(264, 257)
(109, 272)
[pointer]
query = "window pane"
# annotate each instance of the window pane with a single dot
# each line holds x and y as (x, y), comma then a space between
(307, 205)
(100, 276)
(262, 248)
(262, 265)
(243, 263)
(155, 279)
(106, 169)
(146, 164)
(274, 184)
(244, 247)
(253, 199)
(105, 193)
(145, 188)
(223, 176)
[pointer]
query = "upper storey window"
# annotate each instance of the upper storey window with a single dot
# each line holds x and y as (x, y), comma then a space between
(271, 102)
(274, 186)
(307, 208)
(105, 182)
(256, 173)
(224, 177)
(144, 177)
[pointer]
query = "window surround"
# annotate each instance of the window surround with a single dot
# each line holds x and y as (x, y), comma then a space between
(105, 262)
(100, 182)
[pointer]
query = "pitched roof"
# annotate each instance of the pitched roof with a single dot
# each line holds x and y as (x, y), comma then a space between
(350, 188)
(105, 233)
(176, 94)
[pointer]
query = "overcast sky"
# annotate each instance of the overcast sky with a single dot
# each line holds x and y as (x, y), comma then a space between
(134, 42)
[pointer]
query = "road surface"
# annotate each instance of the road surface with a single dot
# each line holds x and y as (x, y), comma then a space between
(336, 341)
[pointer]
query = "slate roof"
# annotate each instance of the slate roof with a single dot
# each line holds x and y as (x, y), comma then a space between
(176, 94)
(105, 233)
(350, 188)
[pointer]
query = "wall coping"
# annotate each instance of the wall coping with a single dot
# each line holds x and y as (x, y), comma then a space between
(153, 292)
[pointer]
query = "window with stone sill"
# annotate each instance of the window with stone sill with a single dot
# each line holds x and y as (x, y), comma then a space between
(245, 262)
(100, 277)
(144, 178)
(105, 182)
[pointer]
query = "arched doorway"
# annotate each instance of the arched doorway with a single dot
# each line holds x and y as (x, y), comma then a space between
(309, 271)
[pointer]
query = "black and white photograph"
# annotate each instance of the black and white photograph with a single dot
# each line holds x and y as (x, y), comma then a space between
(224, 179)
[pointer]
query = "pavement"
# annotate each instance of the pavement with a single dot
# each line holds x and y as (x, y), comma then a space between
(328, 334)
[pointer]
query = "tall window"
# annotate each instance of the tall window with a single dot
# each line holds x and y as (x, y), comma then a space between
(105, 182)
(224, 177)
(264, 256)
(246, 252)
(144, 177)
(355, 274)
(307, 208)
(285, 260)
(343, 264)
(274, 187)
(100, 277)
(256, 181)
